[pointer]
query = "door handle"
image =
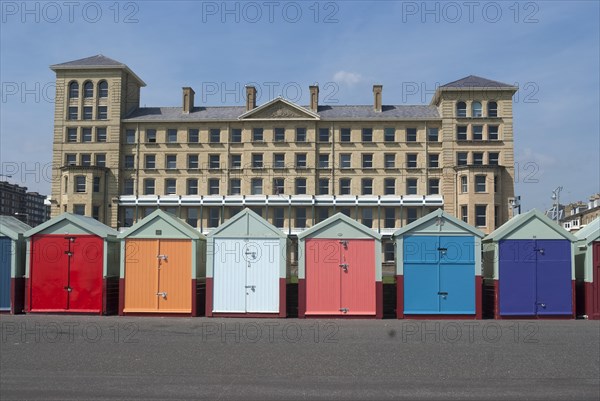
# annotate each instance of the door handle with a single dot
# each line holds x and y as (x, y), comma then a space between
(543, 305)
(162, 257)
(443, 294)
(252, 287)
(69, 289)
(162, 294)
(344, 266)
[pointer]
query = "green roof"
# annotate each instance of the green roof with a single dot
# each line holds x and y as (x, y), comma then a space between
(521, 220)
(246, 213)
(591, 232)
(86, 223)
(339, 216)
(168, 218)
(438, 214)
(12, 227)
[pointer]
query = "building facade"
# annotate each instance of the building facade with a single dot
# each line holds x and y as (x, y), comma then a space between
(383, 165)
(29, 207)
(579, 214)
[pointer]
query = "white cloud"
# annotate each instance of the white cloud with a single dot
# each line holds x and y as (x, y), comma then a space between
(347, 78)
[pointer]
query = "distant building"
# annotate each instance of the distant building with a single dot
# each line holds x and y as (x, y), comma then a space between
(29, 207)
(577, 215)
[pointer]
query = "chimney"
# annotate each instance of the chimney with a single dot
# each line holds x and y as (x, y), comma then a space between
(377, 89)
(188, 99)
(250, 98)
(314, 97)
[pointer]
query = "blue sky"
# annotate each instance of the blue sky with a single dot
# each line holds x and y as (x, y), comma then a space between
(551, 49)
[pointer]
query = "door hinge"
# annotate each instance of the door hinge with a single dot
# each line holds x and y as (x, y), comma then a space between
(162, 294)
(344, 310)
(162, 257)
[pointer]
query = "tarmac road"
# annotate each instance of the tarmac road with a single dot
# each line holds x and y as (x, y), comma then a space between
(82, 357)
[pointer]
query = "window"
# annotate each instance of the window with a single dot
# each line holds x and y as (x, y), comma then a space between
(495, 183)
(411, 214)
(87, 112)
(192, 161)
(432, 134)
(102, 113)
(389, 186)
(461, 158)
(434, 160)
(323, 186)
(128, 186)
(464, 187)
(476, 109)
(478, 158)
(73, 90)
(279, 135)
(367, 135)
(170, 186)
(213, 217)
(278, 186)
(389, 134)
(171, 135)
(367, 160)
(103, 89)
(411, 186)
(492, 109)
(461, 133)
(215, 135)
(497, 216)
(86, 135)
(367, 216)
(493, 158)
(257, 135)
(72, 135)
(79, 210)
(100, 134)
(86, 159)
(464, 213)
(72, 113)
(214, 162)
(101, 159)
(151, 135)
(493, 132)
(345, 135)
(300, 217)
(389, 160)
(480, 183)
(300, 186)
(129, 136)
(278, 217)
(235, 186)
(256, 186)
(477, 132)
(300, 134)
(149, 186)
(70, 159)
(171, 162)
(461, 109)
(213, 186)
(279, 160)
(79, 183)
(88, 89)
(257, 160)
(388, 251)
(96, 184)
(323, 161)
(300, 160)
(192, 186)
(193, 135)
(389, 218)
(322, 214)
(367, 186)
(480, 215)
(411, 135)
(411, 160)
(150, 161)
(433, 186)
(236, 135)
(192, 217)
(345, 160)
(344, 186)
(323, 134)
(96, 212)
(235, 161)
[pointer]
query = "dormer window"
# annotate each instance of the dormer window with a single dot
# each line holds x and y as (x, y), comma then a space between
(88, 89)
(492, 109)
(461, 109)
(476, 110)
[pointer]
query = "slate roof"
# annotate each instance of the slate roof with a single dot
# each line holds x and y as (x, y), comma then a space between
(325, 112)
(94, 61)
(473, 81)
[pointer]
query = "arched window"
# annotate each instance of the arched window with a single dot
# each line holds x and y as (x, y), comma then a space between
(88, 89)
(476, 109)
(73, 90)
(461, 109)
(103, 89)
(492, 109)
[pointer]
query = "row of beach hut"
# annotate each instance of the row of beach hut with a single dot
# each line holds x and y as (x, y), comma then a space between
(528, 268)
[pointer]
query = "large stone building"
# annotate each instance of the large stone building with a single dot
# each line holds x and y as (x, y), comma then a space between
(383, 165)
(29, 207)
